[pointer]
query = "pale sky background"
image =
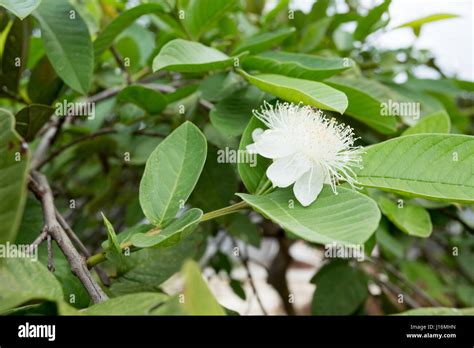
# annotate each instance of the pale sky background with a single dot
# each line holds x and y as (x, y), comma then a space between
(451, 40)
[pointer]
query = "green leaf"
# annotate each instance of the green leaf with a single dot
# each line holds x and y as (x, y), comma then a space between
(262, 41)
(439, 311)
(346, 218)
(31, 119)
(340, 289)
(418, 23)
(145, 303)
(200, 15)
(231, 115)
(107, 36)
(44, 84)
(241, 227)
(14, 159)
(23, 280)
(148, 268)
(438, 122)
(295, 90)
(366, 25)
(298, 65)
(388, 242)
(113, 250)
(171, 172)
(198, 299)
(148, 99)
(20, 8)
(187, 56)
(314, 34)
(411, 219)
(432, 166)
(366, 98)
(211, 191)
(15, 54)
(67, 43)
(172, 234)
(252, 174)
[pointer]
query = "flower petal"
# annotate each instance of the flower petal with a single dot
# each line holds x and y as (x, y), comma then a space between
(309, 185)
(285, 171)
(274, 144)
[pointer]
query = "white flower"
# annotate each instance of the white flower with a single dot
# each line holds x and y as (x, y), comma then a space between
(307, 149)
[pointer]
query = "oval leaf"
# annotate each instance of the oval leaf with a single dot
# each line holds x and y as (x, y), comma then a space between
(438, 122)
(346, 218)
(411, 219)
(20, 8)
(67, 43)
(433, 166)
(300, 91)
(262, 41)
(171, 234)
(107, 36)
(30, 119)
(171, 172)
(187, 56)
(14, 160)
(148, 99)
(366, 98)
(298, 65)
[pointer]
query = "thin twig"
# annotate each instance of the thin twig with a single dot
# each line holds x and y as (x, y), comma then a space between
(42, 236)
(244, 259)
(410, 284)
(51, 266)
(121, 64)
(395, 290)
(82, 248)
(39, 185)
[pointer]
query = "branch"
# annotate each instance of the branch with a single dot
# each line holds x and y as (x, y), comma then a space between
(245, 262)
(82, 248)
(39, 185)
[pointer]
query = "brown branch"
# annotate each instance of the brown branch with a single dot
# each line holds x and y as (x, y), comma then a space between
(39, 185)
(82, 248)
(51, 266)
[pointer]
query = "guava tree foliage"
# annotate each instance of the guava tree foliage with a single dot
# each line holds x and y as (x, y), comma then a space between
(125, 158)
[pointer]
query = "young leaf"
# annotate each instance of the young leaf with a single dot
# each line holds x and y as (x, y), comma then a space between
(187, 56)
(14, 159)
(20, 8)
(346, 218)
(171, 173)
(172, 234)
(113, 250)
(298, 65)
(418, 23)
(31, 118)
(432, 166)
(411, 219)
(67, 42)
(199, 300)
(148, 99)
(294, 90)
(366, 25)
